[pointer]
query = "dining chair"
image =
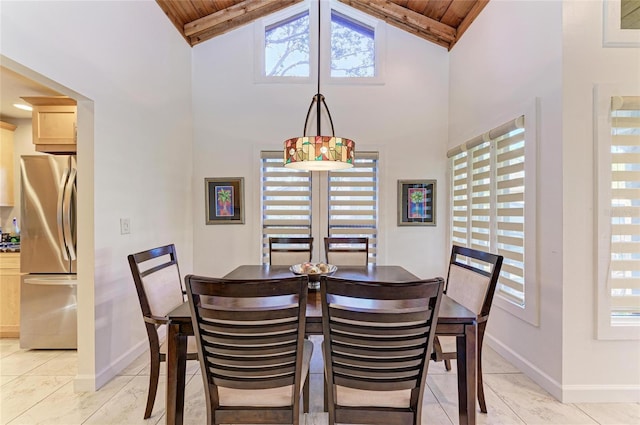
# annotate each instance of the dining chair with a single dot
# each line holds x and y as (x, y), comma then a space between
(157, 279)
(286, 251)
(377, 340)
(250, 339)
(347, 251)
(471, 281)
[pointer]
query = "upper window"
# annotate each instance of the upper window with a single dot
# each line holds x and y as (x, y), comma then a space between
(352, 47)
(286, 46)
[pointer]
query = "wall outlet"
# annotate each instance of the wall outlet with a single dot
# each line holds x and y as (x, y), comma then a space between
(125, 226)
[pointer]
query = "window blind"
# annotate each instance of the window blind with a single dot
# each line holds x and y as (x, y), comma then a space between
(624, 267)
(488, 201)
(286, 200)
(353, 201)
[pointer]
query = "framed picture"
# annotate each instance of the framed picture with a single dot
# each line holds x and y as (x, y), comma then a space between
(224, 200)
(620, 26)
(416, 202)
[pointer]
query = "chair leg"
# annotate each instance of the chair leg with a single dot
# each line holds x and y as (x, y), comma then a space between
(447, 364)
(154, 376)
(480, 390)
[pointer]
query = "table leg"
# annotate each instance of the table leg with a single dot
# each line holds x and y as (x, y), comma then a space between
(466, 362)
(176, 370)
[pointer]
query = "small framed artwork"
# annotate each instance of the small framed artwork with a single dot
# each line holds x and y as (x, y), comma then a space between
(416, 202)
(224, 200)
(621, 23)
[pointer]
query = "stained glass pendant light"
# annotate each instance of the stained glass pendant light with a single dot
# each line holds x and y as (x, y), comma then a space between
(319, 153)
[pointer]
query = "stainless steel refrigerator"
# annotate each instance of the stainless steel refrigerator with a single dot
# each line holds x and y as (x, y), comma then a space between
(48, 317)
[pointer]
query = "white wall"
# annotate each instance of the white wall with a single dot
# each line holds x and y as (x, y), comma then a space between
(130, 71)
(511, 55)
(587, 64)
(235, 118)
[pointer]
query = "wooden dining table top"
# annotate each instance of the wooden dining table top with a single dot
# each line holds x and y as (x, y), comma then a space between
(450, 311)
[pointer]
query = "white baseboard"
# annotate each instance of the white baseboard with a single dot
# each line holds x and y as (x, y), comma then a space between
(567, 393)
(549, 384)
(90, 383)
(601, 394)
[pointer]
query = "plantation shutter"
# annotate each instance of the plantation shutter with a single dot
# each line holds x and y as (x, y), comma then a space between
(353, 201)
(286, 200)
(510, 204)
(481, 197)
(459, 199)
(488, 201)
(624, 267)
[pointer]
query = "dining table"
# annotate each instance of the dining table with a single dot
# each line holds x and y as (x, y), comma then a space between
(453, 320)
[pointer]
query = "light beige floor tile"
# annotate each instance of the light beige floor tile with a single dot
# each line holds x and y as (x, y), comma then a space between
(317, 361)
(432, 411)
(316, 392)
(195, 410)
(445, 389)
(7, 378)
(612, 413)
(127, 405)
(492, 362)
(137, 365)
(533, 404)
(9, 346)
(23, 361)
(65, 364)
(66, 407)
(317, 418)
(24, 392)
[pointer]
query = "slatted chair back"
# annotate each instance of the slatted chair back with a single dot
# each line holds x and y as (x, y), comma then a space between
(377, 338)
(286, 251)
(250, 338)
(158, 284)
(347, 251)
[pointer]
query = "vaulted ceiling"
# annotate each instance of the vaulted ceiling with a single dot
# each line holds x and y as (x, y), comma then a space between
(439, 21)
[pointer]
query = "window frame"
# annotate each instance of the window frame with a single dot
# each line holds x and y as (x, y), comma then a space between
(530, 311)
(605, 330)
(311, 6)
(319, 199)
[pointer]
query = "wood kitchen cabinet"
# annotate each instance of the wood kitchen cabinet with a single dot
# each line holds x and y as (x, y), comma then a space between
(54, 121)
(6, 164)
(9, 294)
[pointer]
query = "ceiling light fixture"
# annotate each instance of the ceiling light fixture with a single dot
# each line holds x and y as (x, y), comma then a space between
(23, 106)
(319, 153)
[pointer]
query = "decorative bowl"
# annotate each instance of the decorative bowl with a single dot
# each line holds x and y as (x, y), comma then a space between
(312, 270)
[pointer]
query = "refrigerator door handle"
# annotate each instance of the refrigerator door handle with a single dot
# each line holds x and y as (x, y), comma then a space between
(66, 213)
(60, 215)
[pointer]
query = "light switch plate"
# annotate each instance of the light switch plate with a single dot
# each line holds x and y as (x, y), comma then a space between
(125, 226)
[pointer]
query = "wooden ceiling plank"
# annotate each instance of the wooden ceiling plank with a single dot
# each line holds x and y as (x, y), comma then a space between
(239, 20)
(253, 8)
(419, 32)
(436, 9)
(468, 20)
(404, 18)
(417, 6)
(168, 7)
(456, 12)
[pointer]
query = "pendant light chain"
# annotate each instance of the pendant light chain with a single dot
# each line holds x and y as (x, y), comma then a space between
(319, 153)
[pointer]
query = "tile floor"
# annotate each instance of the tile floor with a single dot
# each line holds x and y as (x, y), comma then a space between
(36, 387)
